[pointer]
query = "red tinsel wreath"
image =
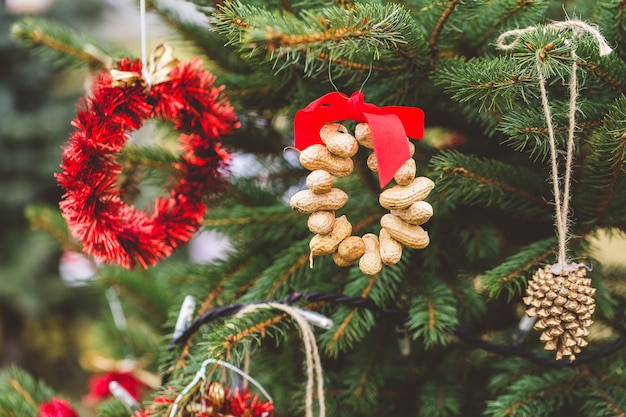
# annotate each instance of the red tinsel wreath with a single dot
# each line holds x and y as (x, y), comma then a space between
(92, 206)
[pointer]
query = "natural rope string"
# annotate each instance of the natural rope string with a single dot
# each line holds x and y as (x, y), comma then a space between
(561, 199)
(312, 357)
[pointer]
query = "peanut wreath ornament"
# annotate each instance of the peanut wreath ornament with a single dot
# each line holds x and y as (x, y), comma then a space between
(182, 93)
(327, 150)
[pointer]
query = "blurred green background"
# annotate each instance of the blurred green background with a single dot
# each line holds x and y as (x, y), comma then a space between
(42, 321)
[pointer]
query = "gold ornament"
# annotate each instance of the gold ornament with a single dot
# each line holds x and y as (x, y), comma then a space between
(161, 63)
(405, 201)
(563, 302)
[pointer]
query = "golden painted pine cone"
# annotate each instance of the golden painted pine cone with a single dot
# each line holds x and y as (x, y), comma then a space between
(563, 303)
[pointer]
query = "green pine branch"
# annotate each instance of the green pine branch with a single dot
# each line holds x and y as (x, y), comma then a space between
(351, 39)
(440, 397)
(519, 191)
(601, 191)
(536, 395)
(20, 393)
(433, 315)
(50, 220)
(486, 85)
(511, 275)
(611, 18)
(60, 44)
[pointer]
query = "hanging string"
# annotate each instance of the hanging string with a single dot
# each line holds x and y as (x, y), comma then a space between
(144, 47)
(312, 358)
(561, 199)
(561, 223)
(577, 26)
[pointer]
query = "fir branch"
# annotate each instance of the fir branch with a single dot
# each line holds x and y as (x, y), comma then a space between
(289, 272)
(140, 287)
(536, 395)
(611, 19)
(602, 402)
(470, 180)
(616, 172)
(157, 157)
(49, 220)
(206, 305)
(360, 66)
(440, 397)
(345, 330)
(369, 364)
(601, 184)
(493, 183)
(433, 41)
(511, 275)
(604, 75)
(362, 33)
(520, 6)
(496, 84)
(59, 43)
(233, 340)
(433, 314)
(15, 384)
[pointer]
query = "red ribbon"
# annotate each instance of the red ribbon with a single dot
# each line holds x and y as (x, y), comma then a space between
(390, 126)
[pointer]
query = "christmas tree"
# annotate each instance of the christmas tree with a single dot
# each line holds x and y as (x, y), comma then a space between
(455, 273)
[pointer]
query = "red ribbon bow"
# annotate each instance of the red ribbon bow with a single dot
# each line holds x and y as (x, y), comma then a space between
(390, 126)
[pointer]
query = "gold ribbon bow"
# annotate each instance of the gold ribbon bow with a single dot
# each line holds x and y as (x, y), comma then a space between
(160, 64)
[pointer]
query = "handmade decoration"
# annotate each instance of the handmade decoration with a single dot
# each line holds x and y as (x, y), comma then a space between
(559, 294)
(182, 93)
(327, 150)
(210, 399)
(99, 386)
(56, 407)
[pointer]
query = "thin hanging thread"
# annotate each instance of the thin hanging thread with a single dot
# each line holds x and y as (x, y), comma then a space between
(561, 200)
(561, 223)
(312, 357)
(144, 47)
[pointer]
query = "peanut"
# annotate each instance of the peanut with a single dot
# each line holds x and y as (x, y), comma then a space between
(306, 202)
(352, 247)
(349, 250)
(318, 157)
(363, 135)
(402, 196)
(341, 261)
(342, 144)
(330, 129)
(370, 263)
(372, 162)
(406, 173)
(321, 222)
(390, 249)
(319, 181)
(410, 235)
(326, 244)
(417, 213)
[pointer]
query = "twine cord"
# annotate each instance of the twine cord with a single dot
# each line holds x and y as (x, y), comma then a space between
(312, 357)
(561, 198)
